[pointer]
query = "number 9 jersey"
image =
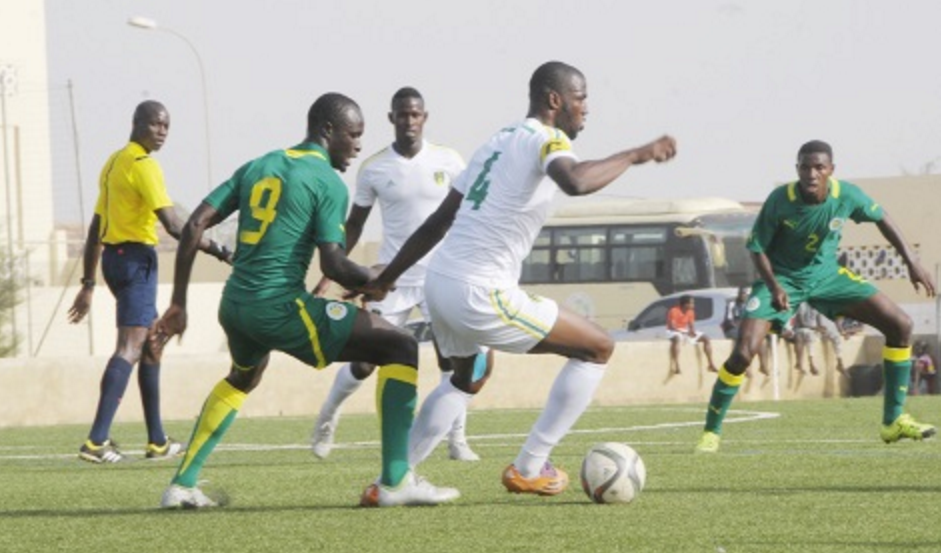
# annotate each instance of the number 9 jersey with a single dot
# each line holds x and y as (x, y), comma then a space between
(289, 201)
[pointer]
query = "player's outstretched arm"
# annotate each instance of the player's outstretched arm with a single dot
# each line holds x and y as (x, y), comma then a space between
(919, 276)
(174, 227)
(337, 267)
(422, 241)
(584, 177)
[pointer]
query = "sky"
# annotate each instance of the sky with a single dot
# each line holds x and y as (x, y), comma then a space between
(740, 84)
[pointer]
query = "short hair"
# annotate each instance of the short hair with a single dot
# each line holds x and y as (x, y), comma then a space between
(550, 76)
(145, 110)
(329, 108)
(405, 93)
(685, 298)
(815, 147)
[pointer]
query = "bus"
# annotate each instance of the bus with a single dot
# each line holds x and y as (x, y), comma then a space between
(608, 260)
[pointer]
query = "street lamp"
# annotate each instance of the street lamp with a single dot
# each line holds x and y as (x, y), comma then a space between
(150, 25)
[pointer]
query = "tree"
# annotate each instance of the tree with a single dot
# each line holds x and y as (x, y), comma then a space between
(11, 285)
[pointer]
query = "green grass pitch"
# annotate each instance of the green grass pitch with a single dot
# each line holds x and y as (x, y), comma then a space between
(808, 476)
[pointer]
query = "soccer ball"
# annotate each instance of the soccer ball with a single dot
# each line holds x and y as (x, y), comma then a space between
(613, 473)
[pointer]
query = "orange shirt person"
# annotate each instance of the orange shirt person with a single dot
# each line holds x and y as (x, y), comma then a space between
(681, 329)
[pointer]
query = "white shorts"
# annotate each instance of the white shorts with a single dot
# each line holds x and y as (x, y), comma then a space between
(466, 317)
(397, 306)
(684, 336)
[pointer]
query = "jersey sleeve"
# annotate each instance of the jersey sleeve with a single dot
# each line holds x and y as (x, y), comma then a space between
(766, 224)
(365, 195)
(554, 145)
(150, 185)
(865, 209)
(331, 213)
(225, 197)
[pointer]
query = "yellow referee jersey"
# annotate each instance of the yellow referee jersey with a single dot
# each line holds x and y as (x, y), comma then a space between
(130, 190)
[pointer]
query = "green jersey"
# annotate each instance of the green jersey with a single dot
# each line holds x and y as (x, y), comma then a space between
(289, 201)
(801, 239)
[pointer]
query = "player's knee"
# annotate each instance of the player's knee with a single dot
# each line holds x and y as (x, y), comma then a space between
(362, 371)
(603, 348)
(738, 362)
(404, 351)
(900, 331)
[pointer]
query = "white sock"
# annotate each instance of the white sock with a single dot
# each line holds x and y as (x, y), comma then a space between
(456, 433)
(343, 387)
(436, 417)
(571, 393)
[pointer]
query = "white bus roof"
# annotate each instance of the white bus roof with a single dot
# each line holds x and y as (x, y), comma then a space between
(642, 211)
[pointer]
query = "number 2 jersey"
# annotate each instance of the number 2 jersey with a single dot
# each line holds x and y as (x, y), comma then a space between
(801, 239)
(507, 198)
(289, 201)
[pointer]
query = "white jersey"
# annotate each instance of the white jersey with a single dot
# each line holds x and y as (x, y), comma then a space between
(507, 198)
(408, 190)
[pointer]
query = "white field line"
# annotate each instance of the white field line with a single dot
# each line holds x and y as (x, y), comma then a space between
(734, 416)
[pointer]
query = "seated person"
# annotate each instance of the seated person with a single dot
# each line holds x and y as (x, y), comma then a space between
(681, 329)
(924, 370)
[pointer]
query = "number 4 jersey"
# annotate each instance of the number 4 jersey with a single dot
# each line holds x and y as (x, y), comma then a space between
(507, 198)
(289, 201)
(801, 239)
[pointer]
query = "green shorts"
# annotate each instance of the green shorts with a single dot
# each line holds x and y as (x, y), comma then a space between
(829, 296)
(313, 330)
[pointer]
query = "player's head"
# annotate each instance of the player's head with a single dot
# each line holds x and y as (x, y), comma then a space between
(335, 122)
(814, 168)
(151, 125)
(559, 91)
(742, 293)
(686, 302)
(408, 115)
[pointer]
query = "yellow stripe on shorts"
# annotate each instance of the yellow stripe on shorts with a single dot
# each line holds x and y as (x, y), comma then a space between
(530, 326)
(312, 332)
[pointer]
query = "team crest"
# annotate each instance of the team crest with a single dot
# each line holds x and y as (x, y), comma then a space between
(336, 310)
(836, 224)
(441, 178)
(753, 304)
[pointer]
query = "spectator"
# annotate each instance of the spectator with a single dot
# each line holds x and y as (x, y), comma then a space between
(681, 329)
(925, 370)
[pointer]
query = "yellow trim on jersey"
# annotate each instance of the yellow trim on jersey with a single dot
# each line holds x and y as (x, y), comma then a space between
(897, 355)
(730, 379)
(834, 187)
(312, 332)
(301, 153)
(369, 160)
(791, 191)
(530, 326)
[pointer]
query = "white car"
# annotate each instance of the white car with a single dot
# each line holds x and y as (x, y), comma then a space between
(710, 305)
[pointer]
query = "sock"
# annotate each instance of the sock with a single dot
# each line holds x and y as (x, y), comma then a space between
(396, 397)
(438, 413)
(723, 392)
(897, 370)
(113, 384)
(148, 380)
(343, 387)
(218, 413)
(570, 395)
(456, 432)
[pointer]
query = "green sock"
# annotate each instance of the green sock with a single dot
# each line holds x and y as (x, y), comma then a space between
(218, 412)
(396, 397)
(723, 392)
(897, 370)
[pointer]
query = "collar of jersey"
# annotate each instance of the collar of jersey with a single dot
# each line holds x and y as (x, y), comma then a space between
(136, 149)
(308, 149)
(832, 184)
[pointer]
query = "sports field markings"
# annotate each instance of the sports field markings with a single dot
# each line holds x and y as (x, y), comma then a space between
(734, 416)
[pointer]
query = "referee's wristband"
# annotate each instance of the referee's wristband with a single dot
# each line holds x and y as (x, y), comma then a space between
(88, 283)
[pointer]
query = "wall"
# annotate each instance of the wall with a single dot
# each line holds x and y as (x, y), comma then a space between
(62, 390)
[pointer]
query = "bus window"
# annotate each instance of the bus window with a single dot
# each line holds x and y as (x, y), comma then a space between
(579, 254)
(684, 272)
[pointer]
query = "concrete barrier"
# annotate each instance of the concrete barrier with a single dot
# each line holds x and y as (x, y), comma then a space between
(60, 390)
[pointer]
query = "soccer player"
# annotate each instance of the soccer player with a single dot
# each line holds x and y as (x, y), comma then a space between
(494, 211)
(681, 329)
(290, 202)
(793, 245)
(132, 197)
(409, 178)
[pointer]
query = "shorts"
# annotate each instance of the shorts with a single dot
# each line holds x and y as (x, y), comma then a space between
(466, 317)
(828, 296)
(130, 271)
(397, 306)
(684, 336)
(312, 330)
